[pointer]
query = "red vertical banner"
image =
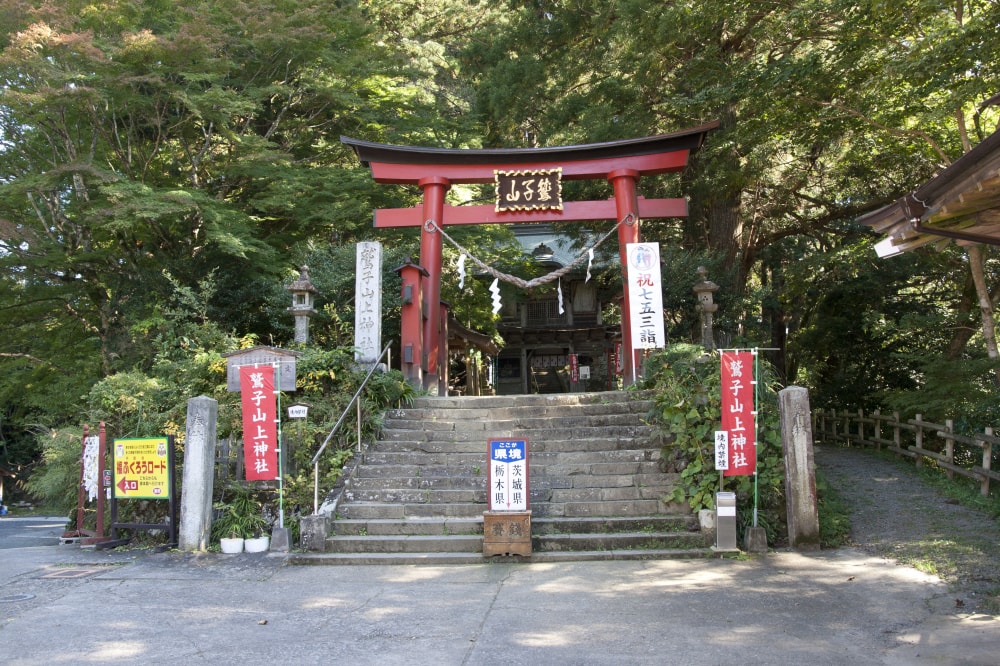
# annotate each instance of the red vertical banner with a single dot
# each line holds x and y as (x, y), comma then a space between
(738, 416)
(260, 427)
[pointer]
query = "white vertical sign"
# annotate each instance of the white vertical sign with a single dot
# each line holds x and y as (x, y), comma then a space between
(721, 450)
(368, 302)
(645, 295)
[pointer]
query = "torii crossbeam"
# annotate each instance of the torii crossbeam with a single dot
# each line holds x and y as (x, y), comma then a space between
(434, 170)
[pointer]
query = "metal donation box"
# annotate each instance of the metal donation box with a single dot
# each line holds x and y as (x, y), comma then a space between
(507, 524)
(725, 521)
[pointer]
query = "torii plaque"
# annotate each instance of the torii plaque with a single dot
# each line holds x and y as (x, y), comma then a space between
(436, 169)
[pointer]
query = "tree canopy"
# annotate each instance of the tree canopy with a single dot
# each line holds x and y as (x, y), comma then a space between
(149, 147)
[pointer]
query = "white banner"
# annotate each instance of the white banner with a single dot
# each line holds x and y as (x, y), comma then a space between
(91, 471)
(645, 295)
(368, 302)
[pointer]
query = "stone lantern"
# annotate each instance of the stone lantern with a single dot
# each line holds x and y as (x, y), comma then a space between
(704, 289)
(303, 293)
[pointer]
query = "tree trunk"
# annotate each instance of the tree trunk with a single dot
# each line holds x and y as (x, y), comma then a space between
(975, 254)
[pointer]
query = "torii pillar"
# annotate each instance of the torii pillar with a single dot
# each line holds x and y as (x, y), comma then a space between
(431, 250)
(623, 182)
(435, 170)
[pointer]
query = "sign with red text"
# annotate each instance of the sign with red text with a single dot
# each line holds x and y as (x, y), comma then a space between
(645, 295)
(141, 468)
(738, 412)
(508, 474)
(260, 422)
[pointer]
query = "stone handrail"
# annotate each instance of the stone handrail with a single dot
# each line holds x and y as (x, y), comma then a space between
(340, 421)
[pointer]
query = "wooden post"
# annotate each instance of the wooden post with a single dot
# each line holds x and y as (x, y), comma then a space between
(949, 447)
(984, 485)
(896, 439)
(878, 429)
(919, 439)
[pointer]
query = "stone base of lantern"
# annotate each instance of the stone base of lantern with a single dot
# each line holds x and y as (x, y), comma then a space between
(507, 533)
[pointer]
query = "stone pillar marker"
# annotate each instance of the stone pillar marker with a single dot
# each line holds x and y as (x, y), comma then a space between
(800, 468)
(199, 474)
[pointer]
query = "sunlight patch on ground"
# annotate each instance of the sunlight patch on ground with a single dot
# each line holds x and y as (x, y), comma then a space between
(325, 602)
(551, 638)
(115, 651)
(413, 574)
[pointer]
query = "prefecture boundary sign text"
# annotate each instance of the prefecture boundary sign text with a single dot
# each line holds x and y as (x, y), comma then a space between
(508, 474)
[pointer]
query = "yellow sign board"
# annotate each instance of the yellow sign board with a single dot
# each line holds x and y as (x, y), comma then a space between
(141, 468)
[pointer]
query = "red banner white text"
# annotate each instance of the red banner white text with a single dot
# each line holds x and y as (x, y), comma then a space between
(260, 427)
(738, 412)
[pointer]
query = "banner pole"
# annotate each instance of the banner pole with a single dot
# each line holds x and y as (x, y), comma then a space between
(756, 457)
(281, 448)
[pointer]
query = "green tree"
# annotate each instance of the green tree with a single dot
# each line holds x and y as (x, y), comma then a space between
(144, 145)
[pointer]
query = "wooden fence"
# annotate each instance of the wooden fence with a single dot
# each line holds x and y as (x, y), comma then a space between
(915, 438)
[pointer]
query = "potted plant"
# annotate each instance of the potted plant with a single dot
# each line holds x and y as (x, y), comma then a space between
(240, 518)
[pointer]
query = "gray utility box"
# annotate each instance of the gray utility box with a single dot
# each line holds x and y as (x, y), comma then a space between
(725, 521)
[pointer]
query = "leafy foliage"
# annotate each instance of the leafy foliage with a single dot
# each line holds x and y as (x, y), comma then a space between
(58, 478)
(687, 396)
(239, 513)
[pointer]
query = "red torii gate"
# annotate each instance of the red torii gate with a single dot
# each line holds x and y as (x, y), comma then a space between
(436, 169)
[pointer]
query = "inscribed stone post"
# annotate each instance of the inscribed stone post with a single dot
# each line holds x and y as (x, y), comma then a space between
(368, 302)
(198, 475)
(800, 468)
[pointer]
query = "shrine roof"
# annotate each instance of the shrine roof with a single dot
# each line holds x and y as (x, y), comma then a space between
(961, 203)
(687, 141)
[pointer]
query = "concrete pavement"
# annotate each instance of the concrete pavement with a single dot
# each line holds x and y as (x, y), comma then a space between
(64, 604)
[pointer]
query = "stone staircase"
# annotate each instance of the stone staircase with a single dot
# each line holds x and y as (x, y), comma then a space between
(419, 493)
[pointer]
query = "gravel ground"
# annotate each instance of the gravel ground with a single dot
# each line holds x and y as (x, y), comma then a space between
(897, 515)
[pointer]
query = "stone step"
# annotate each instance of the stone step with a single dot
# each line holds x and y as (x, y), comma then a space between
(473, 543)
(384, 510)
(539, 526)
(596, 490)
(417, 483)
(598, 475)
(342, 559)
(535, 458)
(485, 431)
(434, 415)
(479, 446)
(406, 543)
(573, 495)
(416, 496)
(409, 526)
(531, 400)
(426, 420)
(612, 524)
(620, 540)
(461, 466)
(639, 507)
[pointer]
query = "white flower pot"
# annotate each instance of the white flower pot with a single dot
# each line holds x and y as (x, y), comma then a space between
(257, 545)
(231, 546)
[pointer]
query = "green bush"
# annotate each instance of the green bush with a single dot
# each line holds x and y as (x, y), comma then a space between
(686, 385)
(55, 482)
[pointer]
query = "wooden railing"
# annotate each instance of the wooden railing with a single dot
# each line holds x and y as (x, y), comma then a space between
(969, 456)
